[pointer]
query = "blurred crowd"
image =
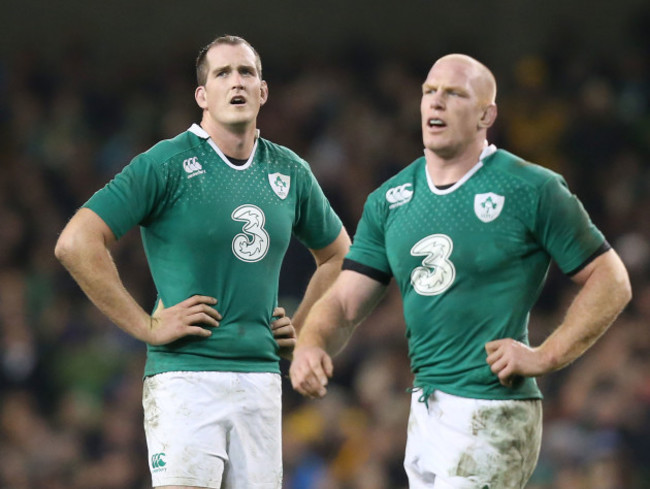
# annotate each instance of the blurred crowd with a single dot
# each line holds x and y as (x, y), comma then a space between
(70, 382)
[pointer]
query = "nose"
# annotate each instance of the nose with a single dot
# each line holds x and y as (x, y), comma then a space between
(437, 100)
(237, 78)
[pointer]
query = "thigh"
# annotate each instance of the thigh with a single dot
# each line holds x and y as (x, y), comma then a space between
(186, 430)
(255, 446)
(459, 443)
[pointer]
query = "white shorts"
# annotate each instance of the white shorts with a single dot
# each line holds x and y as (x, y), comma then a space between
(219, 430)
(461, 443)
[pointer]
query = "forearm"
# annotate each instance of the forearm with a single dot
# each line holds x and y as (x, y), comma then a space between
(345, 305)
(92, 267)
(327, 326)
(601, 299)
(320, 282)
(328, 267)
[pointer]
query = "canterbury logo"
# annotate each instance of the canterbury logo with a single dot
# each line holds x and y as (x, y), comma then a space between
(158, 460)
(397, 196)
(193, 167)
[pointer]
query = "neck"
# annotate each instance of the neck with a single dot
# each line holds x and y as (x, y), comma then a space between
(235, 141)
(447, 169)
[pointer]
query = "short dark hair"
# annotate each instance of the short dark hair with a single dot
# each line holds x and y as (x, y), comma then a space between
(202, 65)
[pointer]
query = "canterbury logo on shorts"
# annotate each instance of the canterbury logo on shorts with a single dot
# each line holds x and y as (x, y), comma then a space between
(158, 461)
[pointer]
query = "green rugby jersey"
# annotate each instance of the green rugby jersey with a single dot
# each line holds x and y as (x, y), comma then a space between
(212, 228)
(470, 262)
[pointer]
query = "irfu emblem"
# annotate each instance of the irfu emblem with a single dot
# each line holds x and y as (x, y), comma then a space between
(280, 184)
(488, 206)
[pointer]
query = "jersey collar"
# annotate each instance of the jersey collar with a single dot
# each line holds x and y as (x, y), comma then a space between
(202, 133)
(488, 150)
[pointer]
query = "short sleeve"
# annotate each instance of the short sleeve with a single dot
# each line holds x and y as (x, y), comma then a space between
(563, 226)
(131, 197)
(369, 245)
(317, 225)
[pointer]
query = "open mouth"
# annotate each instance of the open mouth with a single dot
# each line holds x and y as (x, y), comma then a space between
(433, 122)
(237, 100)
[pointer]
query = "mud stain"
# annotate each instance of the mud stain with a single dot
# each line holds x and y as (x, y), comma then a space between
(507, 445)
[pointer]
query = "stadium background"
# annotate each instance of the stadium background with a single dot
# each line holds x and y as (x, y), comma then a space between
(84, 86)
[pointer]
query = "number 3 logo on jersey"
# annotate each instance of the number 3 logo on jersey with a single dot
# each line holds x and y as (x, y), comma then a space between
(253, 243)
(437, 273)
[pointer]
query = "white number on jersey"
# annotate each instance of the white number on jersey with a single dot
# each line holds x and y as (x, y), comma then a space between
(437, 273)
(253, 243)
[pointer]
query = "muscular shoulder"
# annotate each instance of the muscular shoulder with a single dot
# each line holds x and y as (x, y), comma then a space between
(276, 154)
(520, 172)
(175, 148)
(398, 188)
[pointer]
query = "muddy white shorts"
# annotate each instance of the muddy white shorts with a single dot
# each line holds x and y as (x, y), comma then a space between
(208, 428)
(461, 443)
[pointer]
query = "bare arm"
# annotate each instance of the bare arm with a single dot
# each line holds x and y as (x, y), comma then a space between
(328, 267)
(328, 328)
(83, 248)
(604, 292)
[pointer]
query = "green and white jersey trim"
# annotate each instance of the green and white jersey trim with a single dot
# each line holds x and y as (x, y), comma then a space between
(200, 132)
(489, 150)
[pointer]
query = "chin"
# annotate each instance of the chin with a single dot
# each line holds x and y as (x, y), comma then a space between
(239, 121)
(444, 151)
(435, 144)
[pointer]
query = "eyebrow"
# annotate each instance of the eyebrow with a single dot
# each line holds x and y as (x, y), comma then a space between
(446, 88)
(230, 67)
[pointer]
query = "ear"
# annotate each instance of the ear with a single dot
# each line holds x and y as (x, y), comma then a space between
(488, 117)
(264, 92)
(199, 96)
